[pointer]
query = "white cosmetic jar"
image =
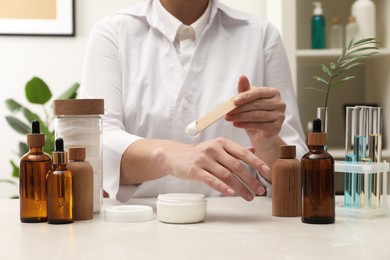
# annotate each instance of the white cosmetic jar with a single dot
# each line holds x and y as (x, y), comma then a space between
(181, 208)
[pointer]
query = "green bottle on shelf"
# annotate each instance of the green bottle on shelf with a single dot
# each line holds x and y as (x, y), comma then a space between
(318, 27)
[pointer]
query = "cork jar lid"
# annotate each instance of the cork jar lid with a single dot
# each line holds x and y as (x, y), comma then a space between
(287, 152)
(77, 153)
(78, 107)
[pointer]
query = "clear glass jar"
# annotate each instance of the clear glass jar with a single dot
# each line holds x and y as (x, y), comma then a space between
(79, 123)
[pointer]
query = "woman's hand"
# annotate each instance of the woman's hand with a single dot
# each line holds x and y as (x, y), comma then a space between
(260, 112)
(219, 164)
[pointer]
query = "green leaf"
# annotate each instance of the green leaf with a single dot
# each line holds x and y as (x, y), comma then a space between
(351, 43)
(345, 68)
(321, 80)
(15, 169)
(344, 51)
(37, 92)
(49, 143)
(342, 81)
(326, 70)
(350, 66)
(23, 149)
(12, 105)
(363, 42)
(18, 125)
(316, 89)
(333, 65)
(7, 181)
(30, 116)
(70, 93)
(348, 61)
(362, 50)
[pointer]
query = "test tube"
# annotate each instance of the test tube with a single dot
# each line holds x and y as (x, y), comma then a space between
(355, 151)
(360, 148)
(349, 190)
(375, 154)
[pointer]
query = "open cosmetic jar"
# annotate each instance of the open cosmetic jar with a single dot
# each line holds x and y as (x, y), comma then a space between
(181, 208)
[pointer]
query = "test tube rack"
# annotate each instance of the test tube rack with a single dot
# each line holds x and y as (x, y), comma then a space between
(381, 168)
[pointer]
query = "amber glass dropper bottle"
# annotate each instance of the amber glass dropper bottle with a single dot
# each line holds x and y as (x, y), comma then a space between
(59, 188)
(34, 167)
(317, 169)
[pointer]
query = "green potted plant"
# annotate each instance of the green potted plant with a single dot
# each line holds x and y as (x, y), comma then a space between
(37, 92)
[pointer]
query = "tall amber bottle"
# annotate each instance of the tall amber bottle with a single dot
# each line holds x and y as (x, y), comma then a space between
(317, 170)
(82, 180)
(34, 167)
(59, 188)
(286, 184)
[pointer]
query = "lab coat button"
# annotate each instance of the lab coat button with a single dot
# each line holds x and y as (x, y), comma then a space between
(185, 104)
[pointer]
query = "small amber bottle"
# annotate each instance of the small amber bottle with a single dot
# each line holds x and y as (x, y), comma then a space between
(34, 167)
(82, 180)
(286, 184)
(317, 169)
(59, 188)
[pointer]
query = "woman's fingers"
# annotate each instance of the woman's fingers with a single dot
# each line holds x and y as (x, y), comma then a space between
(219, 163)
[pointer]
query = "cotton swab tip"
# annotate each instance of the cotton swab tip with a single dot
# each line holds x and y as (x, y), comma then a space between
(191, 129)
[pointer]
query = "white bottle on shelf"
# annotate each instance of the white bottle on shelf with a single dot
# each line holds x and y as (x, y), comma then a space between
(351, 30)
(364, 11)
(336, 36)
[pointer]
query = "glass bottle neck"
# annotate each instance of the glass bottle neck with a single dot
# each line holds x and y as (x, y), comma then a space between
(316, 147)
(37, 149)
(59, 167)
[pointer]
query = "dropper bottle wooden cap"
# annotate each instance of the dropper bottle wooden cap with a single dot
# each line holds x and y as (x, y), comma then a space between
(77, 153)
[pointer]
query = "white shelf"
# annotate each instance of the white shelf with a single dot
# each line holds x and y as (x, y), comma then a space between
(309, 54)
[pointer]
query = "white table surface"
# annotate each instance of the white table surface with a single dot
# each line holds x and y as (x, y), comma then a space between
(233, 229)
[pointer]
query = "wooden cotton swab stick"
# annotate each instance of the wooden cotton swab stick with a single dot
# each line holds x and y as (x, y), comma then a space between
(202, 123)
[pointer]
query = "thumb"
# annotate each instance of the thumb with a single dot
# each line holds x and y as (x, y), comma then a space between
(243, 84)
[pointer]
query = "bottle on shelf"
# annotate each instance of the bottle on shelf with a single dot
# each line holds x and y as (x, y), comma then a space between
(318, 27)
(59, 188)
(336, 36)
(34, 167)
(365, 13)
(351, 30)
(317, 172)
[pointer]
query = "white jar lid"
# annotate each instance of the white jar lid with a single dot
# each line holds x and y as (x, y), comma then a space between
(180, 198)
(128, 213)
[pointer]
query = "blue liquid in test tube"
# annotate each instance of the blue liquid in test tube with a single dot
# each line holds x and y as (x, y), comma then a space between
(360, 149)
(349, 185)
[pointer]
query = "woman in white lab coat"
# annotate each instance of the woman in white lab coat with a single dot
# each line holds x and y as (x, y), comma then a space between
(164, 63)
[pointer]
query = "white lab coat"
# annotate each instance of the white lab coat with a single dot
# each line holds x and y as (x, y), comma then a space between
(134, 66)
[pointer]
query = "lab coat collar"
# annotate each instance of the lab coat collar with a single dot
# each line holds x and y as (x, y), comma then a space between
(144, 10)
